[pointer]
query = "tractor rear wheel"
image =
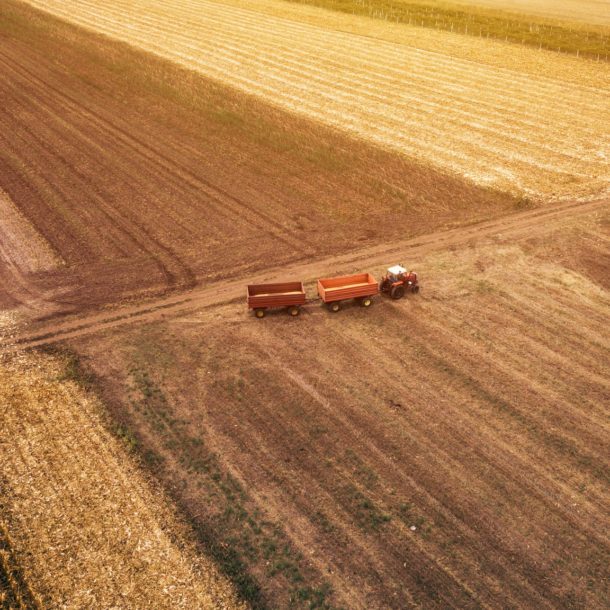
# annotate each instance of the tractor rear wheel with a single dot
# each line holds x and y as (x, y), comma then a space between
(366, 301)
(259, 313)
(398, 292)
(294, 311)
(334, 307)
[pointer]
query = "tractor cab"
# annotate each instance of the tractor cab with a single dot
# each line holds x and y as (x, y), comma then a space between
(397, 281)
(396, 273)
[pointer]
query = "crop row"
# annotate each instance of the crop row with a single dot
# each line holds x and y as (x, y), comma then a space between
(496, 127)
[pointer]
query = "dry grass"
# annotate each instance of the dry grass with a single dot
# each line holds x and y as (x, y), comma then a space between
(584, 11)
(84, 525)
(542, 135)
(15, 592)
(485, 22)
(473, 413)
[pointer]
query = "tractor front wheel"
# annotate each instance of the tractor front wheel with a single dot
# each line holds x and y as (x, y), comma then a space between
(259, 313)
(415, 289)
(398, 292)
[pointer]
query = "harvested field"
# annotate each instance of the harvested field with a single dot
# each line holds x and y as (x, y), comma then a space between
(545, 136)
(447, 450)
(125, 176)
(79, 525)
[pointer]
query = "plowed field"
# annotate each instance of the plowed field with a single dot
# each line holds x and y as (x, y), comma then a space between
(540, 135)
(175, 180)
(447, 450)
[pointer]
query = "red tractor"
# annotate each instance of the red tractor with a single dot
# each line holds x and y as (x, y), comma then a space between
(397, 281)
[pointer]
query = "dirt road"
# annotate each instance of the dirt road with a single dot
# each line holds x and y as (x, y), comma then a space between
(518, 226)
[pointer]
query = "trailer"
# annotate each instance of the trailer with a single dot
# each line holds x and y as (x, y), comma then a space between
(261, 297)
(361, 287)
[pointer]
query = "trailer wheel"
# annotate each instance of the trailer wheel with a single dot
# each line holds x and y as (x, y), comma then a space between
(366, 301)
(398, 292)
(259, 313)
(294, 311)
(334, 307)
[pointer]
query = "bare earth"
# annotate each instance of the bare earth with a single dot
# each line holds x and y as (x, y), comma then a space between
(447, 450)
(526, 133)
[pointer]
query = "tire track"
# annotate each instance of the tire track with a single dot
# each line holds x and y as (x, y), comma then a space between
(512, 228)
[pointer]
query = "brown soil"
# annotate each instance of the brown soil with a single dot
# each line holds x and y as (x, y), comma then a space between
(446, 450)
(143, 177)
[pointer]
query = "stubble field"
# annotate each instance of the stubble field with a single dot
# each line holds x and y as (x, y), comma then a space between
(80, 526)
(543, 136)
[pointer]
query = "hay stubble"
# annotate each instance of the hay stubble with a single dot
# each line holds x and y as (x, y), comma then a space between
(84, 523)
(540, 135)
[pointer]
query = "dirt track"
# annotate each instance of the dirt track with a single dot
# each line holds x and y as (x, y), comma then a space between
(516, 227)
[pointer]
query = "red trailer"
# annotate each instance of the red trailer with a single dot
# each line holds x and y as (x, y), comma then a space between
(361, 287)
(267, 296)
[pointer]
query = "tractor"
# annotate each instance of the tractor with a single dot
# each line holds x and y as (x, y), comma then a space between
(397, 281)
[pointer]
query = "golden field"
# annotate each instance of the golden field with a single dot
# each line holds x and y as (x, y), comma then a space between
(541, 135)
